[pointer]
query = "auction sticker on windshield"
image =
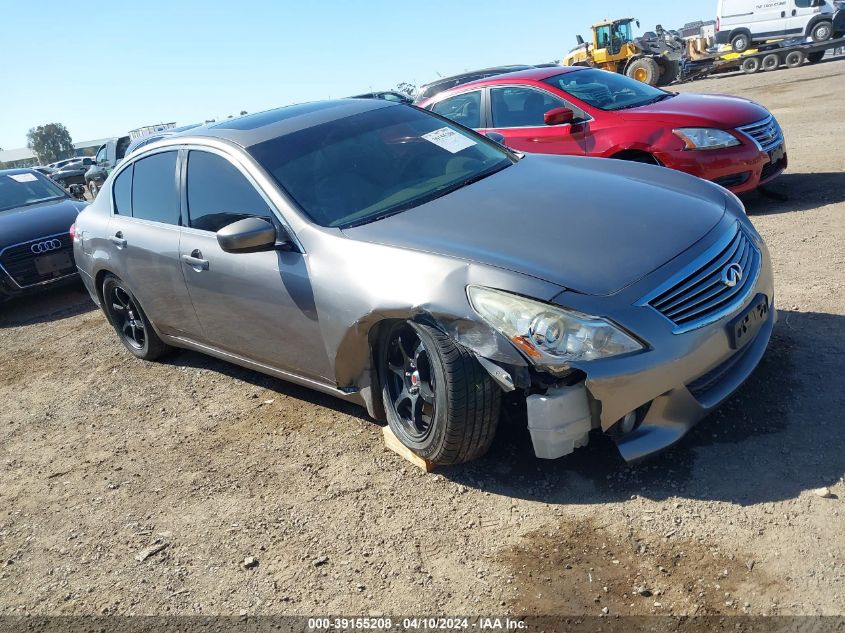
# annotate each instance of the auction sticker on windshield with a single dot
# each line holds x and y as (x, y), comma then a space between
(23, 177)
(449, 140)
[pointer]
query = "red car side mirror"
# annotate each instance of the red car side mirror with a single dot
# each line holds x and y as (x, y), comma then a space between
(558, 116)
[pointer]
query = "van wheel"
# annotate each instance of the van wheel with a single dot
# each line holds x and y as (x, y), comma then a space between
(740, 42)
(822, 31)
(440, 402)
(771, 62)
(750, 65)
(794, 59)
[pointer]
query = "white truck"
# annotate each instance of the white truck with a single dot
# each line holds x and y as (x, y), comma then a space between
(742, 23)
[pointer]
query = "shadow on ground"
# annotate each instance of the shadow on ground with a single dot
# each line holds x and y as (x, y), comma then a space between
(779, 435)
(45, 307)
(801, 192)
(195, 360)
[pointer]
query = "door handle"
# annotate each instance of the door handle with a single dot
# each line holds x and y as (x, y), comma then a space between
(794, 12)
(118, 240)
(783, 14)
(195, 260)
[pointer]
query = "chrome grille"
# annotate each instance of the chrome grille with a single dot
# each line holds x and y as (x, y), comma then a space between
(700, 295)
(18, 261)
(766, 133)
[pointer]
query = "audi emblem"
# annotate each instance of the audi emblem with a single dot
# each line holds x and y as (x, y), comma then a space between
(45, 247)
(732, 275)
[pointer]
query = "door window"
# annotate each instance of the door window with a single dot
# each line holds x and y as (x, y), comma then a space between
(219, 194)
(154, 193)
(122, 192)
(523, 107)
(101, 155)
(464, 109)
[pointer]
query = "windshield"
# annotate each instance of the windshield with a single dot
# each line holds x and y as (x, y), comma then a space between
(19, 190)
(606, 90)
(365, 167)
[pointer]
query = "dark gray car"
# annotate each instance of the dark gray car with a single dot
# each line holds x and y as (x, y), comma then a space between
(392, 258)
(35, 243)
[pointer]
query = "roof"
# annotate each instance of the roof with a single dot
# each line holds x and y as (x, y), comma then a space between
(12, 155)
(496, 69)
(262, 126)
(532, 74)
(18, 170)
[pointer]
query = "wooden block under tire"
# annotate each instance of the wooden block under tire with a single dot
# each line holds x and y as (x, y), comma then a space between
(392, 442)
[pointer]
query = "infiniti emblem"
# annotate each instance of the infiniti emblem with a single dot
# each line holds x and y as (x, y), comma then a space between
(45, 246)
(732, 275)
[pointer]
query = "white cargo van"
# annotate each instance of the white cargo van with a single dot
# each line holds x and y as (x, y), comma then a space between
(741, 23)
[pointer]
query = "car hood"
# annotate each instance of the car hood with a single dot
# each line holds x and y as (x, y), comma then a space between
(591, 225)
(720, 111)
(38, 220)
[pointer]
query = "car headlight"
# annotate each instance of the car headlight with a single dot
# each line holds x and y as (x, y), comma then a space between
(706, 138)
(549, 335)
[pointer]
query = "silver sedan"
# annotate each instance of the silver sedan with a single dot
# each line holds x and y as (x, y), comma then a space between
(392, 258)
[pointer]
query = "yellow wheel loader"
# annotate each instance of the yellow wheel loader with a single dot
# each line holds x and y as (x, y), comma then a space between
(654, 58)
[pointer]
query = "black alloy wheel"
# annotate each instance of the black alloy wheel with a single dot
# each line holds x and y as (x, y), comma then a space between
(411, 383)
(129, 320)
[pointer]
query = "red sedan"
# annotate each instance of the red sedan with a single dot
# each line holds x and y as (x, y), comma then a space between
(585, 111)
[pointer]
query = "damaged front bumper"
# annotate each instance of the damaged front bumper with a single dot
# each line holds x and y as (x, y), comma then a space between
(648, 401)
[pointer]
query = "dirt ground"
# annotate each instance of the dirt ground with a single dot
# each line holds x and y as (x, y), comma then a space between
(104, 456)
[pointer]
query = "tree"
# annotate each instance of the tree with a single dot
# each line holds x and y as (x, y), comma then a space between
(50, 142)
(407, 89)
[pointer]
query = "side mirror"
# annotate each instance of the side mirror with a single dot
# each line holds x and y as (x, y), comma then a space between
(495, 137)
(247, 236)
(558, 116)
(77, 191)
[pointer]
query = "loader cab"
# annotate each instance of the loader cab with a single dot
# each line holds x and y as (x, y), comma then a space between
(612, 39)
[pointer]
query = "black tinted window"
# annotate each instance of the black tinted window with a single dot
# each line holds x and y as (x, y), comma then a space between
(154, 193)
(464, 109)
(122, 189)
(218, 194)
(521, 107)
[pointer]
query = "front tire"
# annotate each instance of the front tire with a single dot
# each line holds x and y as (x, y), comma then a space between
(740, 42)
(644, 69)
(130, 322)
(440, 402)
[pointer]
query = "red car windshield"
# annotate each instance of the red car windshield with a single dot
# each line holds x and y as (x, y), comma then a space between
(606, 90)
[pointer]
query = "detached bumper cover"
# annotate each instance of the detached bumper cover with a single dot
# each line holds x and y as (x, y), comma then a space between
(684, 375)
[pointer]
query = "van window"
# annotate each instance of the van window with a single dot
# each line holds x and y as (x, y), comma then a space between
(154, 193)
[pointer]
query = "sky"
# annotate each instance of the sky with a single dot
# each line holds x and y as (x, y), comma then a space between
(104, 68)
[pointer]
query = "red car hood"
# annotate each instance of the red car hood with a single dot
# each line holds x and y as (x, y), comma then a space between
(719, 111)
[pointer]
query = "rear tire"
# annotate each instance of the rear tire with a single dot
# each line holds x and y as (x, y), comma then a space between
(771, 62)
(794, 59)
(750, 65)
(130, 322)
(822, 31)
(440, 402)
(740, 42)
(644, 69)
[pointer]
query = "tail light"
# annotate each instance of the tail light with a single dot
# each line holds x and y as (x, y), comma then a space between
(72, 231)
